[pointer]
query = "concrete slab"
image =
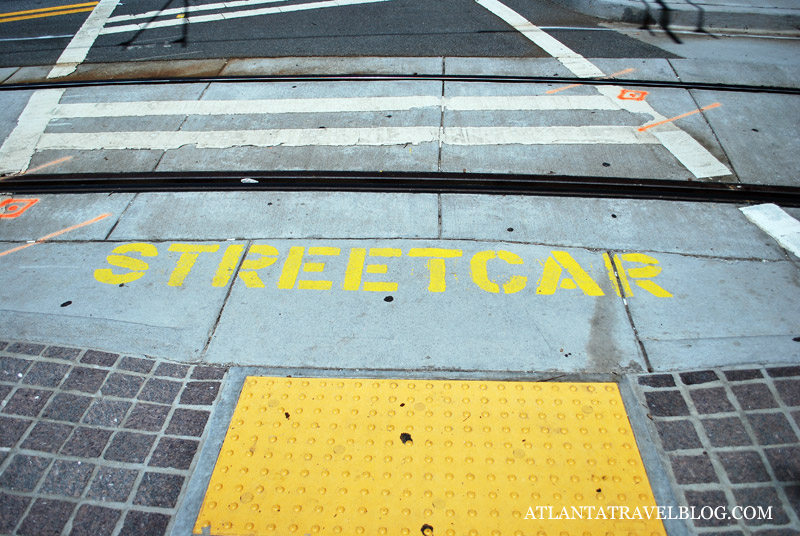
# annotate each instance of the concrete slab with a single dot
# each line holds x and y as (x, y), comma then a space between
(332, 65)
(11, 105)
(506, 67)
(25, 75)
(148, 69)
(109, 161)
(637, 161)
(759, 134)
(644, 69)
(310, 90)
(134, 93)
(455, 326)
(51, 292)
(6, 72)
(609, 224)
(726, 313)
(223, 215)
(52, 213)
(741, 71)
(422, 157)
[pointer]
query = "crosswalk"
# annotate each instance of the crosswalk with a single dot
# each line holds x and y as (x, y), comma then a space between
(395, 115)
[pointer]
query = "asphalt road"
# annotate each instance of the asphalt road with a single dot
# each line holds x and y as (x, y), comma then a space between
(372, 28)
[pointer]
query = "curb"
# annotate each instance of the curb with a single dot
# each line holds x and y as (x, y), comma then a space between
(685, 15)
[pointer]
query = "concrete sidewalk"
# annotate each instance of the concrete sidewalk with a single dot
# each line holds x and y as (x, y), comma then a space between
(779, 16)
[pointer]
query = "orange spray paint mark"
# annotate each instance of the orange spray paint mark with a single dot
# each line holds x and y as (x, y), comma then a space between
(630, 94)
(710, 106)
(15, 207)
(53, 235)
(624, 71)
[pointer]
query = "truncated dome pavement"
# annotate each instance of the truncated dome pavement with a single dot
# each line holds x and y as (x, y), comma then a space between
(404, 457)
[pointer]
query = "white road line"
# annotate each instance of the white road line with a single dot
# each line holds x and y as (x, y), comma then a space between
(777, 223)
(18, 148)
(695, 157)
(191, 9)
(235, 15)
(354, 137)
(331, 105)
(78, 47)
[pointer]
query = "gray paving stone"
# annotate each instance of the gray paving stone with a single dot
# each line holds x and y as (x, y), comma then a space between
(743, 466)
(712, 498)
(742, 375)
(171, 370)
(175, 453)
(68, 478)
(104, 359)
(147, 417)
(23, 472)
(47, 437)
(134, 364)
(13, 368)
(111, 484)
(13, 429)
(161, 391)
(657, 380)
(138, 523)
(159, 490)
(666, 403)
(764, 497)
(200, 393)
(188, 422)
(772, 428)
(25, 348)
(67, 407)
(91, 520)
(86, 442)
(27, 402)
(47, 517)
(678, 435)
(129, 447)
(12, 508)
(693, 469)
(45, 374)
(87, 380)
(781, 372)
(711, 400)
(107, 412)
(789, 390)
(122, 385)
(61, 352)
(726, 432)
(698, 377)
(754, 396)
(208, 373)
(785, 462)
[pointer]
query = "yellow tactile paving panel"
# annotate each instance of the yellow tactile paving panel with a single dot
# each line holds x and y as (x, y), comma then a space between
(442, 458)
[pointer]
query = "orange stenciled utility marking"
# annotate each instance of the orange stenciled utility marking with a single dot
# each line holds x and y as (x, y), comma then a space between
(630, 94)
(624, 71)
(57, 233)
(16, 207)
(687, 114)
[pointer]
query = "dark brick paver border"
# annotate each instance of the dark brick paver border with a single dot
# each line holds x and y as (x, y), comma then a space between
(96, 443)
(730, 437)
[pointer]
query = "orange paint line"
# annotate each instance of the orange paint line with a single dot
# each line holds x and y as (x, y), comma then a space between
(47, 165)
(53, 235)
(624, 71)
(687, 114)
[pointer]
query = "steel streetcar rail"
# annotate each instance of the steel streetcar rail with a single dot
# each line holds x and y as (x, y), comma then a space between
(82, 83)
(408, 182)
